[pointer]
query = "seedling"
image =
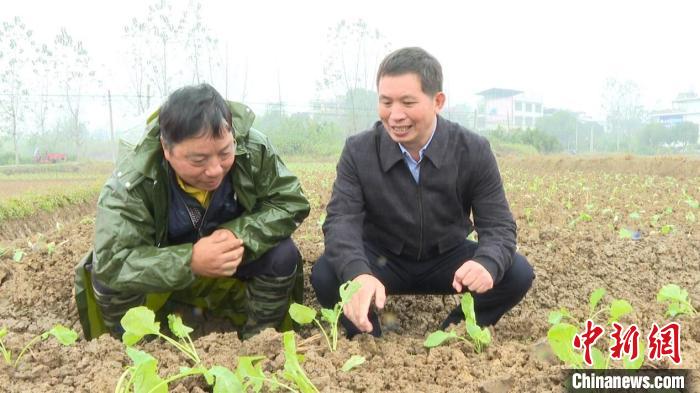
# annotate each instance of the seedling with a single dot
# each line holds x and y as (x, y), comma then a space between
(63, 334)
(292, 367)
(561, 335)
(143, 376)
(304, 315)
(479, 337)
(528, 216)
(666, 229)
(51, 248)
(677, 299)
(584, 217)
(354, 361)
(18, 255)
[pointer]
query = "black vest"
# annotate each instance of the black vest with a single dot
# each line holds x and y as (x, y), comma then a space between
(188, 220)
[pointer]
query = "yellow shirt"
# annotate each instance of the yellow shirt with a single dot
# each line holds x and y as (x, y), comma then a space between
(202, 196)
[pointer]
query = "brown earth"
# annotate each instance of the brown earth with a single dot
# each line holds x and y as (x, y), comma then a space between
(571, 258)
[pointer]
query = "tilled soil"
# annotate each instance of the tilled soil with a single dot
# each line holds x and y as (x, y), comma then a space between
(571, 258)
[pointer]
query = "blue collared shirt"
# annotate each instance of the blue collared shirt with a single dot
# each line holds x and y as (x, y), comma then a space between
(413, 165)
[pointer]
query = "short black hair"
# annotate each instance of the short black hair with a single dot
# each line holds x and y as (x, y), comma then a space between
(193, 111)
(417, 61)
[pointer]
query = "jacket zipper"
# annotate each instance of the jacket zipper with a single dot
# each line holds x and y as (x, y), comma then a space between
(420, 209)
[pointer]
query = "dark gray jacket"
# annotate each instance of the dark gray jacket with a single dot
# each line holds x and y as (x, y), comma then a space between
(376, 200)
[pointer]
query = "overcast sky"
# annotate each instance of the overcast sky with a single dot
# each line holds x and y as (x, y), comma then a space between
(561, 51)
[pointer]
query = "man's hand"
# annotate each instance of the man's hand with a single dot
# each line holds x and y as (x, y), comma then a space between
(473, 276)
(217, 255)
(358, 307)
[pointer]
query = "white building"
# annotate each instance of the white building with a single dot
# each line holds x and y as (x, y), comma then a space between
(507, 109)
(685, 108)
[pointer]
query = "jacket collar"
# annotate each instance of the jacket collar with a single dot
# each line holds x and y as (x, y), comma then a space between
(390, 153)
(148, 155)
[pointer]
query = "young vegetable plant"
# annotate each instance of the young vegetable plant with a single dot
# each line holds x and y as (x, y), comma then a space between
(677, 299)
(292, 366)
(479, 337)
(63, 334)
(143, 376)
(561, 335)
(304, 315)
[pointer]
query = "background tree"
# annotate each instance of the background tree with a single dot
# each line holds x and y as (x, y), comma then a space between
(352, 55)
(17, 55)
(74, 72)
(624, 112)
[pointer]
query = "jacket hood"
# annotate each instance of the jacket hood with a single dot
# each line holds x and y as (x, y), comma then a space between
(148, 153)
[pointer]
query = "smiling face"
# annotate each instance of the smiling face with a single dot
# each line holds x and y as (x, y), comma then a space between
(202, 161)
(408, 114)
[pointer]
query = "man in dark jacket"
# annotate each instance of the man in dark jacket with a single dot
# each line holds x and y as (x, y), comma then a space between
(399, 215)
(199, 213)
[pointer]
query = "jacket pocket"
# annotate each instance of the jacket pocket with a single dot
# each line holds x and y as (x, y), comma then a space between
(450, 241)
(386, 241)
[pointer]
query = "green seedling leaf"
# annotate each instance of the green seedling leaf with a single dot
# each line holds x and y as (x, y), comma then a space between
(18, 255)
(438, 337)
(668, 210)
(177, 327)
(3, 332)
(671, 292)
(690, 217)
(63, 334)
(635, 216)
(595, 299)
(481, 336)
(226, 380)
(292, 368)
(677, 299)
(137, 356)
(625, 233)
(561, 338)
(138, 322)
(619, 308)
(50, 248)
(556, 316)
(600, 361)
(347, 290)
(636, 364)
(467, 304)
(328, 315)
(249, 368)
(302, 314)
(354, 361)
(655, 218)
(666, 229)
(145, 377)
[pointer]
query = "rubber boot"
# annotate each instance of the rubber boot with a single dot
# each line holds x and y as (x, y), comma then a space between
(268, 301)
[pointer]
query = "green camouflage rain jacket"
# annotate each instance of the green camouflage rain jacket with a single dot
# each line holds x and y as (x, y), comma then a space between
(131, 251)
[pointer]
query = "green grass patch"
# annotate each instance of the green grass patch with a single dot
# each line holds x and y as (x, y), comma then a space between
(29, 204)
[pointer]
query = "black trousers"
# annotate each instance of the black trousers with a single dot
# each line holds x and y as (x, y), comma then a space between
(401, 275)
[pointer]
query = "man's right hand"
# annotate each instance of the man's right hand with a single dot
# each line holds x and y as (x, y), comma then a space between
(217, 255)
(358, 307)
